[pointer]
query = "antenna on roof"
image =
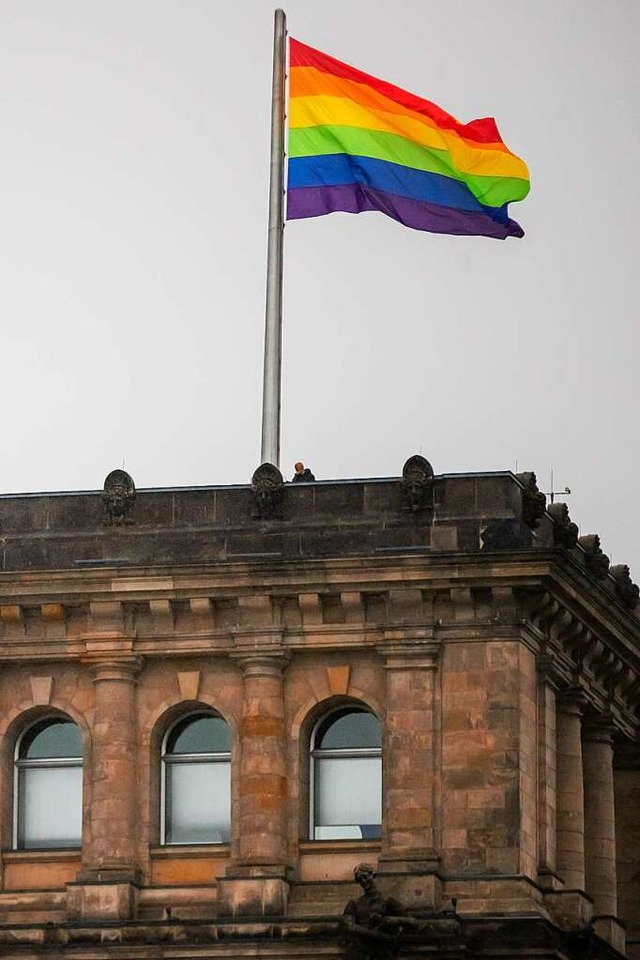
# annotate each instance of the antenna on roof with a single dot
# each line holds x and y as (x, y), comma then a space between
(557, 493)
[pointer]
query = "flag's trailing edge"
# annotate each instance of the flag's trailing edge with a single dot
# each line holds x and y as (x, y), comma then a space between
(357, 143)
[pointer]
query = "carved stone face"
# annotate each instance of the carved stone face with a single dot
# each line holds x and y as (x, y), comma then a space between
(265, 494)
(117, 498)
(116, 504)
(268, 488)
(364, 875)
(415, 487)
(417, 484)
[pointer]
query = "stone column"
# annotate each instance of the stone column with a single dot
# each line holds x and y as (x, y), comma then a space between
(627, 799)
(409, 768)
(106, 885)
(599, 818)
(570, 792)
(255, 884)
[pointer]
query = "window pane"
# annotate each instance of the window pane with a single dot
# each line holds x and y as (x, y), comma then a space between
(198, 802)
(200, 735)
(354, 729)
(51, 738)
(50, 807)
(348, 797)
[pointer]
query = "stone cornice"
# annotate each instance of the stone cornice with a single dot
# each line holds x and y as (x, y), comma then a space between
(426, 571)
(593, 661)
(429, 569)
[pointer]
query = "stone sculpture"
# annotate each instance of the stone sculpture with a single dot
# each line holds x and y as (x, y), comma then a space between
(596, 562)
(417, 484)
(533, 500)
(372, 924)
(267, 484)
(118, 497)
(565, 531)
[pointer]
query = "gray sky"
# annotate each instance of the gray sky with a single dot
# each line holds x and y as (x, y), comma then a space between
(134, 159)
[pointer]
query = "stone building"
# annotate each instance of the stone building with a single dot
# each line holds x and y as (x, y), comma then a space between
(217, 700)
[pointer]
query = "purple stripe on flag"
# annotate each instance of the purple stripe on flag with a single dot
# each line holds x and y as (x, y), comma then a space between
(356, 198)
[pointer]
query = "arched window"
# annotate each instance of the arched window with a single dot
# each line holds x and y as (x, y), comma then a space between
(196, 769)
(346, 770)
(48, 774)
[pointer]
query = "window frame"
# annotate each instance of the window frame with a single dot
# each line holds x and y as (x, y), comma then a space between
(205, 758)
(346, 753)
(42, 763)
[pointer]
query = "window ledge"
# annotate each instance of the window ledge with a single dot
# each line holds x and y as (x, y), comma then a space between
(41, 856)
(339, 846)
(174, 851)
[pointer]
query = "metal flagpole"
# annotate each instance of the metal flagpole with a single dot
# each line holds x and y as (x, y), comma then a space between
(271, 387)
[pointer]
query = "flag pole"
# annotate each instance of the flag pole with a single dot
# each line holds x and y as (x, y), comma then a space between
(271, 386)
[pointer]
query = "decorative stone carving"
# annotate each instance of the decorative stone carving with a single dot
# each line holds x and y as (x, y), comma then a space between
(417, 484)
(533, 500)
(118, 496)
(509, 534)
(565, 532)
(375, 927)
(267, 484)
(372, 924)
(627, 591)
(596, 561)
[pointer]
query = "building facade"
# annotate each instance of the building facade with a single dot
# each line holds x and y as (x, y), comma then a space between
(217, 701)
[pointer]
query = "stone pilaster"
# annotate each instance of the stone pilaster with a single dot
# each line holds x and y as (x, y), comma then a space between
(408, 820)
(107, 883)
(599, 817)
(547, 776)
(255, 883)
(570, 792)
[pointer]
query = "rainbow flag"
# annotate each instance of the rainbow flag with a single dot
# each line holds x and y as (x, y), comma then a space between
(357, 143)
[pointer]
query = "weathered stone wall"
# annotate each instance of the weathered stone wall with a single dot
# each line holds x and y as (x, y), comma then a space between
(503, 670)
(481, 757)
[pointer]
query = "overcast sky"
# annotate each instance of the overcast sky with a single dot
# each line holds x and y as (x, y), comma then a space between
(134, 158)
